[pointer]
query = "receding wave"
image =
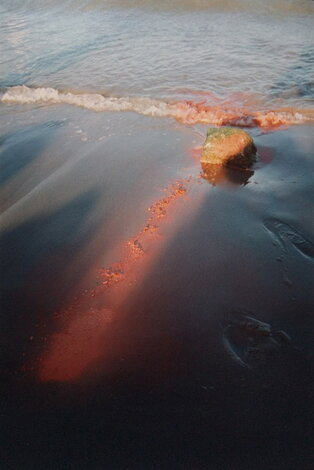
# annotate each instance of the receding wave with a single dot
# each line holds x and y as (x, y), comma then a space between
(187, 112)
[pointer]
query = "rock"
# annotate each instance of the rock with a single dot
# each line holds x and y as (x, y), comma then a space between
(229, 146)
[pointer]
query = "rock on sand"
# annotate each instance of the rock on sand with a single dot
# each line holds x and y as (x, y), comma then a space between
(228, 146)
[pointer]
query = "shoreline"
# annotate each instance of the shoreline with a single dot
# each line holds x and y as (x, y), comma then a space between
(82, 191)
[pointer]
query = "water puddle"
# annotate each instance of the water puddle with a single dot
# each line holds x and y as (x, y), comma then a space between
(252, 343)
(286, 235)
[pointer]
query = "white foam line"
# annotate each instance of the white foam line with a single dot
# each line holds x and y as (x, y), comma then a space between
(93, 101)
(186, 112)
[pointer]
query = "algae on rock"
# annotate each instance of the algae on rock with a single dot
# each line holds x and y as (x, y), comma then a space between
(228, 146)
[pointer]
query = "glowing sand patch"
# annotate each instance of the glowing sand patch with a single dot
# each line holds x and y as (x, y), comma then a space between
(85, 326)
(76, 346)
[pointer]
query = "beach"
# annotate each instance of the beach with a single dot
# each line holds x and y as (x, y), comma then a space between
(153, 316)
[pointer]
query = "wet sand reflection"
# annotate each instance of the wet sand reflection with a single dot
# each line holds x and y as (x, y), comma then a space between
(85, 325)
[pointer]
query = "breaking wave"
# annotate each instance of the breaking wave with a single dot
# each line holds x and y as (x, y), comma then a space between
(187, 112)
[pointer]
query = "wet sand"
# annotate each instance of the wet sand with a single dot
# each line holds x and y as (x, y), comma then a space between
(122, 271)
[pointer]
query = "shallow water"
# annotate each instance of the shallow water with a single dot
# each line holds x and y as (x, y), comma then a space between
(256, 52)
(153, 317)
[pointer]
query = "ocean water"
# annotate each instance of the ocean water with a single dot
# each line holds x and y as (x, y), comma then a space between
(154, 317)
(161, 58)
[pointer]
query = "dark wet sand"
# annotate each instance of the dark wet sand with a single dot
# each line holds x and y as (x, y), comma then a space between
(161, 391)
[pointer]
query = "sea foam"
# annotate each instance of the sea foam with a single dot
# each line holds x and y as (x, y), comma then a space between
(187, 112)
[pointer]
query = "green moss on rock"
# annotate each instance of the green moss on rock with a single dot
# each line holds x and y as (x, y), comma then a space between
(228, 146)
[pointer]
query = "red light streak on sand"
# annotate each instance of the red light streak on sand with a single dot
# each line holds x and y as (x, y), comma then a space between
(76, 345)
(84, 327)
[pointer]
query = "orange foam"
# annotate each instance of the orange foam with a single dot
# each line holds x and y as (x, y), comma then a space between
(245, 115)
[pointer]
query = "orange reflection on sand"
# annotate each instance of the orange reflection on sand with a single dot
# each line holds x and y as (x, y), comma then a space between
(75, 346)
(85, 326)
